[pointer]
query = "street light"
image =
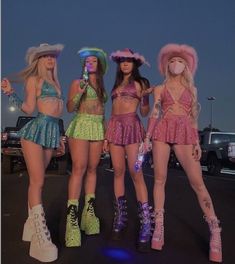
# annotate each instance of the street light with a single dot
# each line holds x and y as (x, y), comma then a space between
(12, 108)
(211, 98)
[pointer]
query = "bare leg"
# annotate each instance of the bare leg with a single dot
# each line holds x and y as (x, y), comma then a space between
(36, 170)
(161, 153)
(137, 177)
(194, 173)
(119, 166)
(95, 150)
(79, 150)
(47, 157)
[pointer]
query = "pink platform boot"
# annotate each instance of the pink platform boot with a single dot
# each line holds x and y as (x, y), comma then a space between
(215, 239)
(158, 235)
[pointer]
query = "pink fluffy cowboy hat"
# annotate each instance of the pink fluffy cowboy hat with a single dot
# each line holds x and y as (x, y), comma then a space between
(128, 53)
(34, 53)
(185, 52)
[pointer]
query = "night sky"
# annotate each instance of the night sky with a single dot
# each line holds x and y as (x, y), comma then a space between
(143, 26)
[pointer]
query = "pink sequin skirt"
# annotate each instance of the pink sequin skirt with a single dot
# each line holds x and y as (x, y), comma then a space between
(125, 129)
(175, 130)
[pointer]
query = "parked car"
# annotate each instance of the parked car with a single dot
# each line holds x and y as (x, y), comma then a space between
(12, 152)
(218, 150)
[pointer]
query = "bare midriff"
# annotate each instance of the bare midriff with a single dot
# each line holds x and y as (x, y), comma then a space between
(51, 106)
(91, 107)
(124, 105)
(175, 109)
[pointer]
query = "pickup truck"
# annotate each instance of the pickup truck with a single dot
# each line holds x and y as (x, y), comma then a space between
(218, 150)
(11, 150)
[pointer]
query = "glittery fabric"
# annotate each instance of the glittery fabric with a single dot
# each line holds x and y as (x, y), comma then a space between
(87, 127)
(175, 130)
(125, 129)
(42, 130)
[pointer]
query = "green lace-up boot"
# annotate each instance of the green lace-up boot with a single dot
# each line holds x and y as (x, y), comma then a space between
(89, 222)
(72, 234)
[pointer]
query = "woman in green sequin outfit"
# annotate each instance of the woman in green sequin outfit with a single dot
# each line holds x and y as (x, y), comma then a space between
(86, 98)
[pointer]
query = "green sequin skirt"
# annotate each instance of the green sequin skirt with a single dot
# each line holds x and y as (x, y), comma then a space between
(42, 130)
(87, 127)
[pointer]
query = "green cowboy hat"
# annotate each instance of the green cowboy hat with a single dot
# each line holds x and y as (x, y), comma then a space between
(99, 53)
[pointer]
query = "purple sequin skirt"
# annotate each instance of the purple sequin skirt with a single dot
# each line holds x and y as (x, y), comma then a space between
(125, 129)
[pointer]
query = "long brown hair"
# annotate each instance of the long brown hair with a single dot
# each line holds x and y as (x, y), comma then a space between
(135, 76)
(99, 89)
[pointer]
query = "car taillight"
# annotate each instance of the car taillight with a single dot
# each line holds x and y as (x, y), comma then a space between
(3, 136)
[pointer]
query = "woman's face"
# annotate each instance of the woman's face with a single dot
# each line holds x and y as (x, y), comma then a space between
(91, 63)
(126, 65)
(49, 61)
(176, 65)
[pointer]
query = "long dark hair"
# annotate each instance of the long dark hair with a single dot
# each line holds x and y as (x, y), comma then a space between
(135, 76)
(100, 90)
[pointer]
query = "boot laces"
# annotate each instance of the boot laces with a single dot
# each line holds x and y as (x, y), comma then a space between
(91, 209)
(72, 211)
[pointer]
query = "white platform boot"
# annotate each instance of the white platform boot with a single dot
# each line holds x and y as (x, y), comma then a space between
(41, 246)
(28, 227)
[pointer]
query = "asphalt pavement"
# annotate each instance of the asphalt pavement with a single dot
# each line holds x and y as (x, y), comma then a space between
(186, 233)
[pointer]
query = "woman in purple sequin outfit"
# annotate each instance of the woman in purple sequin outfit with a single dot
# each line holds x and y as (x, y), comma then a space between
(123, 137)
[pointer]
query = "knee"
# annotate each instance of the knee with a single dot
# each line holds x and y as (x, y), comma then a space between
(160, 182)
(78, 168)
(119, 172)
(91, 170)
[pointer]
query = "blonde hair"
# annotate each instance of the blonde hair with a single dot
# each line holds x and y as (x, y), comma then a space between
(38, 70)
(188, 82)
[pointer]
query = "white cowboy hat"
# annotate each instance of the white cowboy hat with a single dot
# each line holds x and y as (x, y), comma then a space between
(34, 53)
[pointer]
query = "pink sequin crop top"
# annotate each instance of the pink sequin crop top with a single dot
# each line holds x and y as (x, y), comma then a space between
(129, 90)
(168, 100)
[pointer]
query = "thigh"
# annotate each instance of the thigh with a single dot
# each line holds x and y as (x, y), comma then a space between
(34, 158)
(47, 156)
(132, 153)
(79, 150)
(161, 154)
(191, 166)
(118, 157)
(95, 150)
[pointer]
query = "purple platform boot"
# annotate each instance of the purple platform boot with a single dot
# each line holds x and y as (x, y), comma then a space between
(120, 218)
(145, 233)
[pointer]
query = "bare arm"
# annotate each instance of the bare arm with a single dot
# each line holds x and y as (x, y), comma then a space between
(144, 94)
(74, 96)
(156, 111)
(29, 103)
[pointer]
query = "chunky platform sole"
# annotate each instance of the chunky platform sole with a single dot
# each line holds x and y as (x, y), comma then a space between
(157, 245)
(27, 232)
(215, 256)
(44, 256)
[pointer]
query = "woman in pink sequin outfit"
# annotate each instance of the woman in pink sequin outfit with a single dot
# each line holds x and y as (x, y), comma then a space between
(173, 125)
(123, 136)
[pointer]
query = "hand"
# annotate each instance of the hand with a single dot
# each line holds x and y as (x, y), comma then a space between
(147, 145)
(197, 152)
(6, 87)
(61, 149)
(147, 91)
(106, 146)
